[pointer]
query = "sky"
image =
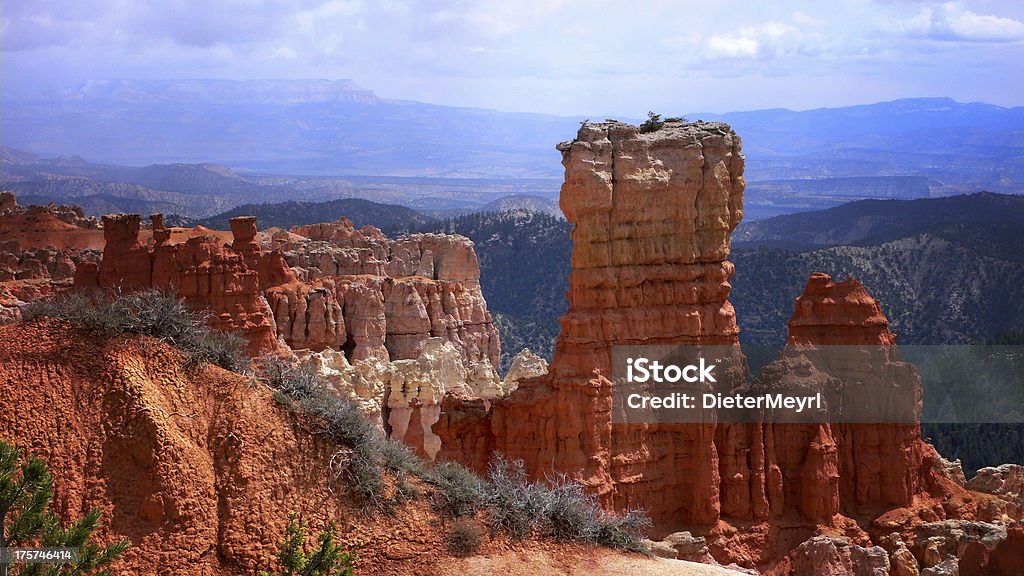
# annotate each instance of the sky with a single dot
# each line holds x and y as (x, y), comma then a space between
(568, 57)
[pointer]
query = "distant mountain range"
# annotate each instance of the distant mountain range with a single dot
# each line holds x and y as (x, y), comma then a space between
(877, 221)
(911, 148)
(524, 202)
(204, 190)
(947, 270)
(310, 127)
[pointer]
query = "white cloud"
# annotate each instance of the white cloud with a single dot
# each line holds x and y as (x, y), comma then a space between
(952, 22)
(804, 19)
(562, 56)
(760, 41)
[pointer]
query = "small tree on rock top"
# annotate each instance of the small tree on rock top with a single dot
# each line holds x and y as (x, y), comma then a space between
(652, 124)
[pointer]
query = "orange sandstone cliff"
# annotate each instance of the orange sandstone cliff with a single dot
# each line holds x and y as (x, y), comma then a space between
(652, 216)
(321, 287)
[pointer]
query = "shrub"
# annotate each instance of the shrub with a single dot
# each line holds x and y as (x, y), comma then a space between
(460, 492)
(290, 380)
(404, 490)
(623, 531)
(328, 559)
(397, 456)
(516, 504)
(367, 454)
(560, 509)
(652, 124)
(283, 399)
(572, 514)
(151, 313)
(465, 537)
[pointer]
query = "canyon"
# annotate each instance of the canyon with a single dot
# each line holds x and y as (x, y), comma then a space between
(652, 215)
(401, 326)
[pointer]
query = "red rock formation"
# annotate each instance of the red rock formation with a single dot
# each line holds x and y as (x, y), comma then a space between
(652, 215)
(36, 263)
(838, 313)
(200, 470)
(202, 270)
(71, 215)
(376, 298)
(879, 462)
(127, 264)
(383, 298)
(8, 202)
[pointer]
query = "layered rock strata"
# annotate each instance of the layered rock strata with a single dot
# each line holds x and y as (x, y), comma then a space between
(351, 290)
(376, 297)
(843, 331)
(404, 396)
(18, 263)
(206, 273)
(72, 215)
(652, 215)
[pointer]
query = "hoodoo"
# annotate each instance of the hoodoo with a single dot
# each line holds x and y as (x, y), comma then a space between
(321, 287)
(652, 215)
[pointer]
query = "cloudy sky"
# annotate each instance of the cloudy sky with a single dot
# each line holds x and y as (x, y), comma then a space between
(586, 57)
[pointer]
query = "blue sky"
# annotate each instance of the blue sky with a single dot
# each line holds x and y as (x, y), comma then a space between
(588, 57)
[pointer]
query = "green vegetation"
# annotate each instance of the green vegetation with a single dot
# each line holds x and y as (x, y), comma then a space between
(327, 559)
(977, 445)
(652, 124)
(25, 521)
(150, 313)
(559, 508)
(460, 491)
(392, 219)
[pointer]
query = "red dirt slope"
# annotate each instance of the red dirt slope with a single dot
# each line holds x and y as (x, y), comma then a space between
(200, 469)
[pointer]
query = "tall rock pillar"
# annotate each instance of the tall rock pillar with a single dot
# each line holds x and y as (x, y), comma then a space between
(652, 216)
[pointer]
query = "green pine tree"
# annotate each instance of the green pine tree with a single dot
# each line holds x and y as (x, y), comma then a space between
(329, 559)
(25, 520)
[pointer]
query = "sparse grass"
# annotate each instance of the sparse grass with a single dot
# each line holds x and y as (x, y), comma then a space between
(516, 504)
(151, 313)
(560, 508)
(465, 537)
(283, 399)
